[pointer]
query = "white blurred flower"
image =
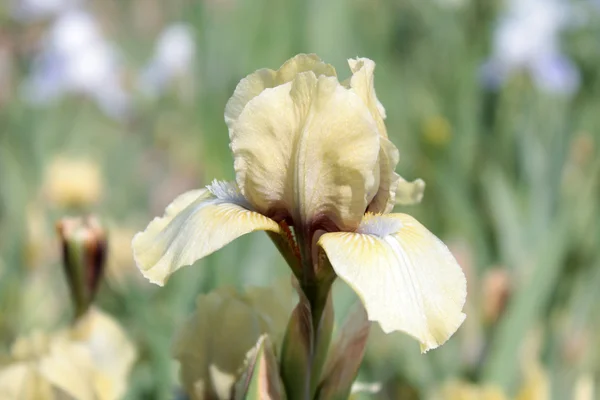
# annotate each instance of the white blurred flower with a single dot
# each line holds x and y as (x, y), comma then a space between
(527, 37)
(173, 58)
(77, 59)
(28, 10)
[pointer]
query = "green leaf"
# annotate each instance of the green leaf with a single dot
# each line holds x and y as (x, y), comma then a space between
(346, 356)
(297, 351)
(260, 379)
(304, 349)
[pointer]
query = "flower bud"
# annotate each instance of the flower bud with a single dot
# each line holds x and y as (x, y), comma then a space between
(84, 253)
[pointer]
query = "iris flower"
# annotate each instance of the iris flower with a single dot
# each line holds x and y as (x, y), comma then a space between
(315, 169)
(542, 22)
(173, 59)
(77, 59)
(90, 360)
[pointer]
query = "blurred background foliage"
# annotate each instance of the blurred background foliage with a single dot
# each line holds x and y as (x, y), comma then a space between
(503, 126)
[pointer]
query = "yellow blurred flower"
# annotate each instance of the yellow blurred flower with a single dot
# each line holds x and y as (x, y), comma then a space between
(460, 390)
(313, 154)
(212, 345)
(437, 131)
(73, 182)
(91, 361)
(584, 387)
(534, 386)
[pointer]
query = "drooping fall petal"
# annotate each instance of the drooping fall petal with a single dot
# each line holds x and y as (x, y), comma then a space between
(196, 224)
(309, 146)
(406, 277)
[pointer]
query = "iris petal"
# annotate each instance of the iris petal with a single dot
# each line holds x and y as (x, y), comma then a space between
(362, 83)
(196, 224)
(406, 277)
(309, 146)
(408, 193)
(252, 85)
(385, 198)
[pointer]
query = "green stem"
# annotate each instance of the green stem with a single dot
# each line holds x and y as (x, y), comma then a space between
(307, 340)
(322, 326)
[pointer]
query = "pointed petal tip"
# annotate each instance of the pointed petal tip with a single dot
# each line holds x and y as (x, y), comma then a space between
(358, 62)
(432, 345)
(427, 344)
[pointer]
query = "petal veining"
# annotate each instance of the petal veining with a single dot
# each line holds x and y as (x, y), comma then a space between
(309, 146)
(407, 279)
(195, 224)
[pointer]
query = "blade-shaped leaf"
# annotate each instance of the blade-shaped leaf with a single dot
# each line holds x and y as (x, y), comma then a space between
(260, 377)
(346, 356)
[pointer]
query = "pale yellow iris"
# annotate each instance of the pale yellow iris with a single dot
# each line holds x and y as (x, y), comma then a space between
(89, 361)
(313, 153)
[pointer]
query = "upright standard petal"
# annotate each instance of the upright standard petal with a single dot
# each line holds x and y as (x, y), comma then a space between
(385, 198)
(252, 85)
(362, 83)
(196, 224)
(406, 277)
(308, 147)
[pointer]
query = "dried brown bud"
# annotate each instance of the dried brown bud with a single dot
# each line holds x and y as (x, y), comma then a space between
(84, 254)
